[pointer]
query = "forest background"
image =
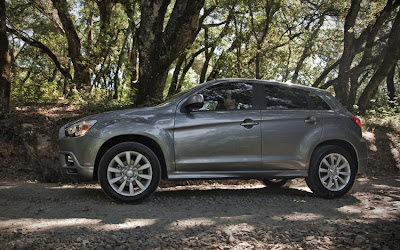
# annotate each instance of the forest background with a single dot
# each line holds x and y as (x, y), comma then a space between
(64, 59)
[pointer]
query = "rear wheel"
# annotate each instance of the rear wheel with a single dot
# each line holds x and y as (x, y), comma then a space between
(332, 172)
(274, 183)
(129, 172)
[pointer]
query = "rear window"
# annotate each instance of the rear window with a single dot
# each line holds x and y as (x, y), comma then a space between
(279, 97)
(317, 102)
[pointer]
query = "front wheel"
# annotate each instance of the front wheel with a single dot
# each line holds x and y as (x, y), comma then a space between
(129, 172)
(332, 172)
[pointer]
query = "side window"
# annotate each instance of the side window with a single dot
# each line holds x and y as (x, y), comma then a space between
(228, 96)
(279, 97)
(317, 102)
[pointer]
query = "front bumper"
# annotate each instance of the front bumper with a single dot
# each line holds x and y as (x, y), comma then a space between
(72, 169)
(77, 156)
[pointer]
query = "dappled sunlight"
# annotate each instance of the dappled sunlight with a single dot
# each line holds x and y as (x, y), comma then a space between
(45, 224)
(201, 216)
(7, 186)
(350, 209)
(184, 224)
(300, 217)
(128, 224)
(370, 212)
(29, 224)
(382, 186)
(69, 186)
(214, 186)
(395, 147)
(241, 227)
(370, 137)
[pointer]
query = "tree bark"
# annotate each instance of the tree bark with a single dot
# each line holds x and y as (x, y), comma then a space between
(391, 88)
(367, 56)
(158, 49)
(209, 50)
(270, 8)
(342, 88)
(5, 84)
(174, 81)
(307, 49)
(119, 63)
(390, 59)
(325, 74)
(81, 70)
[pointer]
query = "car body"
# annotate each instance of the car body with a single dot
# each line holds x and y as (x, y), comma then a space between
(227, 128)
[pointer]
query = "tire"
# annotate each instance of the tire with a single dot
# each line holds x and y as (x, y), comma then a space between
(129, 183)
(332, 172)
(275, 183)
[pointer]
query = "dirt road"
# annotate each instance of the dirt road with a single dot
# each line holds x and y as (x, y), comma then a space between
(222, 216)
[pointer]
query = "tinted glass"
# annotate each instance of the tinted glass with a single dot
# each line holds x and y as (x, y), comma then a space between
(279, 97)
(318, 103)
(228, 96)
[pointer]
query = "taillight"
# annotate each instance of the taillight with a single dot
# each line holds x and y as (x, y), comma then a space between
(356, 121)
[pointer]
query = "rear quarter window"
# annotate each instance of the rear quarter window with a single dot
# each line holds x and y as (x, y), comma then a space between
(317, 102)
(284, 98)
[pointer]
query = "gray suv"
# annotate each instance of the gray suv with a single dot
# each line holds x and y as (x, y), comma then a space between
(229, 128)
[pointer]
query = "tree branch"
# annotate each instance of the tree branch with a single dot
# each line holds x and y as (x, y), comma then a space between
(43, 48)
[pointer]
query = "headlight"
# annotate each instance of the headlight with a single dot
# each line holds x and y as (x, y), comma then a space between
(79, 128)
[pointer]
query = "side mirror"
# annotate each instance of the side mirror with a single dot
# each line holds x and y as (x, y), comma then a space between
(194, 102)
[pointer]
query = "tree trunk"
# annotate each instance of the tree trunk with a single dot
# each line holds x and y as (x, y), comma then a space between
(205, 66)
(270, 8)
(390, 87)
(342, 86)
(186, 69)
(307, 49)
(81, 71)
(286, 75)
(392, 54)
(367, 57)
(174, 81)
(325, 74)
(158, 49)
(208, 53)
(258, 59)
(132, 67)
(5, 84)
(119, 63)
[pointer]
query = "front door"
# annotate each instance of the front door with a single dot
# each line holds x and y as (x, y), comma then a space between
(224, 135)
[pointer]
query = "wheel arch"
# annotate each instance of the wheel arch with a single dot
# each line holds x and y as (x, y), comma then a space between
(341, 143)
(147, 141)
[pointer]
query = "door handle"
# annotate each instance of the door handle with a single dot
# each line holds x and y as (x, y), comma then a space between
(311, 120)
(248, 123)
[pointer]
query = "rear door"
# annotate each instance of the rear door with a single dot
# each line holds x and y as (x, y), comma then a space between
(224, 135)
(290, 128)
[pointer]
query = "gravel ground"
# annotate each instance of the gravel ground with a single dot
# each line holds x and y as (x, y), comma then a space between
(218, 215)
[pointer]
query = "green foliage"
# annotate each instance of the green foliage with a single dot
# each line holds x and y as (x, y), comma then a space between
(109, 46)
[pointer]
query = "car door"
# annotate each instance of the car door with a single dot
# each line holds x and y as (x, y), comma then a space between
(223, 135)
(289, 127)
